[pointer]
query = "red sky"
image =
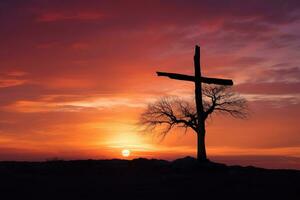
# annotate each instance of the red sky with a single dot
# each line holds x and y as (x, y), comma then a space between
(74, 76)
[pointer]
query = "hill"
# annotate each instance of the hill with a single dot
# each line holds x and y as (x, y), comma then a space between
(144, 179)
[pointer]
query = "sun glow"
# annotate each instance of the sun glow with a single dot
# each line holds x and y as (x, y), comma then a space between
(125, 152)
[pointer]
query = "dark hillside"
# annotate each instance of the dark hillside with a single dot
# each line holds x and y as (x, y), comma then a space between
(144, 179)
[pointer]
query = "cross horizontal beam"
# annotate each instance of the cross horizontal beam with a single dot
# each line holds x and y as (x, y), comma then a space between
(176, 76)
(207, 80)
(217, 81)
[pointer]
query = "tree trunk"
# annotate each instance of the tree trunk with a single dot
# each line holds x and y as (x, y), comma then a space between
(201, 150)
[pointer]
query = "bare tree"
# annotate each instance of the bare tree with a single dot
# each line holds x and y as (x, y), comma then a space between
(170, 112)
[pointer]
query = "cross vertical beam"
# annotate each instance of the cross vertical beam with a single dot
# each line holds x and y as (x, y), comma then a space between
(201, 153)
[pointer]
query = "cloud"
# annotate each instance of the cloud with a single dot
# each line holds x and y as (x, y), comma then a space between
(61, 16)
(276, 151)
(13, 78)
(252, 26)
(248, 61)
(269, 88)
(275, 100)
(75, 103)
(283, 75)
(11, 82)
(284, 40)
(80, 46)
(67, 83)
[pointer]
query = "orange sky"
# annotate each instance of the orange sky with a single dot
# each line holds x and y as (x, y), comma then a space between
(74, 77)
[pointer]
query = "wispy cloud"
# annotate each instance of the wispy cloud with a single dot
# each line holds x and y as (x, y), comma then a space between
(65, 16)
(13, 78)
(11, 82)
(64, 103)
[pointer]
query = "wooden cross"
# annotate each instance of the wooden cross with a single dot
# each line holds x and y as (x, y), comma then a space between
(198, 79)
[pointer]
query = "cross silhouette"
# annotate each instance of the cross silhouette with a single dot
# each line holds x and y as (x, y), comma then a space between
(198, 79)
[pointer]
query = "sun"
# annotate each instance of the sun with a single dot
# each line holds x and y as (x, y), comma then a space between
(125, 152)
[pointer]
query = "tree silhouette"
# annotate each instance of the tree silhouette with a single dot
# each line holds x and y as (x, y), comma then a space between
(170, 112)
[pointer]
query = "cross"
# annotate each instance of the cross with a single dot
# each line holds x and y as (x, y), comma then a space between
(198, 79)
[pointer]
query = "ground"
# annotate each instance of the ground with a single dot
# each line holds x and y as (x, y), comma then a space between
(144, 179)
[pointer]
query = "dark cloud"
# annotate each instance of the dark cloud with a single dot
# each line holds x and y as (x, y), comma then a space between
(286, 74)
(247, 27)
(248, 61)
(283, 74)
(284, 40)
(269, 88)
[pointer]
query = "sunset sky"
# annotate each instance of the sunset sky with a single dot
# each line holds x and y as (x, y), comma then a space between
(75, 75)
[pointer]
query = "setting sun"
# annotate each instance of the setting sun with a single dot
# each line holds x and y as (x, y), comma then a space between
(125, 152)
